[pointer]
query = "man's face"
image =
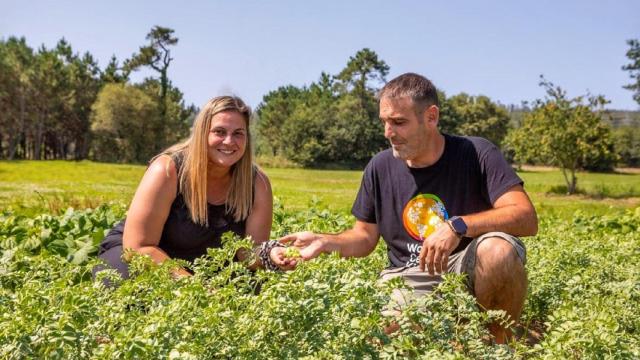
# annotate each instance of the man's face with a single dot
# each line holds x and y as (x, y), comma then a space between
(407, 132)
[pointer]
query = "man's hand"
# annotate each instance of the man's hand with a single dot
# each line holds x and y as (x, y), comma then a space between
(310, 244)
(436, 249)
(278, 257)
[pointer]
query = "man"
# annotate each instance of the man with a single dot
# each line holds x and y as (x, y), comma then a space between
(441, 203)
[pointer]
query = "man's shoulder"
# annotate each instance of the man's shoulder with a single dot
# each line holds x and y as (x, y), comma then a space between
(382, 159)
(474, 146)
(479, 143)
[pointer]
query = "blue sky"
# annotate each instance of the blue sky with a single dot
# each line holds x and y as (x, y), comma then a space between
(248, 48)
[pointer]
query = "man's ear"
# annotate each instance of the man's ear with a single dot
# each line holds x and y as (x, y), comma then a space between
(432, 115)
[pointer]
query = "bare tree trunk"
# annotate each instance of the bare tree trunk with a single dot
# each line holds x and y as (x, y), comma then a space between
(566, 178)
(19, 136)
(13, 145)
(45, 145)
(23, 146)
(37, 146)
(574, 178)
(82, 147)
(574, 182)
(28, 149)
(64, 149)
(56, 151)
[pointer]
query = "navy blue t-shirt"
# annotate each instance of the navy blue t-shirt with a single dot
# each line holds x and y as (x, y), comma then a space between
(408, 203)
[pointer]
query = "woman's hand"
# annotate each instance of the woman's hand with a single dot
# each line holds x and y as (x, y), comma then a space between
(279, 256)
(310, 244)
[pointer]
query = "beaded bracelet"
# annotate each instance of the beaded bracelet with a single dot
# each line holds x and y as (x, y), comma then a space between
(264, 254)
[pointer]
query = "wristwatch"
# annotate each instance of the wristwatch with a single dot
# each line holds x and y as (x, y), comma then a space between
(458, 226)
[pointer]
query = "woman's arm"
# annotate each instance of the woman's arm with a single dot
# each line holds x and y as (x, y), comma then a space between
(258, 224)
(150, 208)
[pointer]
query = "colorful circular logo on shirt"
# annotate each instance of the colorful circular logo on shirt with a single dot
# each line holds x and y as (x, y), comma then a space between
(422, 215)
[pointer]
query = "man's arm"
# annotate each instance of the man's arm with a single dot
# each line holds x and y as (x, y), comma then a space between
(358, 241)
(512, 213)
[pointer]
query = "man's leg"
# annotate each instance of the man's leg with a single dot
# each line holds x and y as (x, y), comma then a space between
(500, 282)
(419, 281)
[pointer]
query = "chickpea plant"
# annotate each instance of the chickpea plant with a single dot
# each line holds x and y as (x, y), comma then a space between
(583, 296)
(292, 252)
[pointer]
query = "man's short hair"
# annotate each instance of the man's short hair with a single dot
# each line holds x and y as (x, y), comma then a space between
(420, 89)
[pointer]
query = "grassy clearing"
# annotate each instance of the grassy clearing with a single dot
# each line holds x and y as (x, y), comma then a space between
(296, 188)
(599, 193)
(32, 187)
(593, 185)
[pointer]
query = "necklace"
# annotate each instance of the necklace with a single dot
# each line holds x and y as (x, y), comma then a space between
(213, 197)
(218, 200)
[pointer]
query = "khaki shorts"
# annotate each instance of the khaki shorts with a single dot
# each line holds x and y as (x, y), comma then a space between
(462, 262)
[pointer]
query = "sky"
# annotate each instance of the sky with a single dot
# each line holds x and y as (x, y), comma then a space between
(248, 48)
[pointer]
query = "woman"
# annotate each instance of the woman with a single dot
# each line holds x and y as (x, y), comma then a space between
(197, 190)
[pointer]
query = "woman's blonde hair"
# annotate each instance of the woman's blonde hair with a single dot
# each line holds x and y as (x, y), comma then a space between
(193, 173)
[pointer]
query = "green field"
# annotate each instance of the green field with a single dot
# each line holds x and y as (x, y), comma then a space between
(32, 187)
(583, 297)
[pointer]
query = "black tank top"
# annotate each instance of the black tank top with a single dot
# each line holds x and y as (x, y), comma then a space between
(182, 238)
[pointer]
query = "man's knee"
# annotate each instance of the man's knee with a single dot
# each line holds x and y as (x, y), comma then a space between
(497, 253)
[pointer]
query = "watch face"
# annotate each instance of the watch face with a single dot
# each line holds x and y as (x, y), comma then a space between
(459, 225)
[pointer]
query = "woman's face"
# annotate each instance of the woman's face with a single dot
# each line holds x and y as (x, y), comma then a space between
(227, 139)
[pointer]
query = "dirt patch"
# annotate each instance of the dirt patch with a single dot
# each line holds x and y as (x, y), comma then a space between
(634, 171)
(540, 168)
(628, 202)
(532, 333)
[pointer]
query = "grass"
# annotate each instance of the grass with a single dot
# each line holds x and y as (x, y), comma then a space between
(336, 189)
(32, 187)
(594, 185)
(599, 193)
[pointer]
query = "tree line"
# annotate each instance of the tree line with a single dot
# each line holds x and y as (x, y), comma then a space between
(58, 104)
(335, 120)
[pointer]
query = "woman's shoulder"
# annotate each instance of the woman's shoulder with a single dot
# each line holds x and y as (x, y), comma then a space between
(261, 184)
(164, 167)
(259, 176)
